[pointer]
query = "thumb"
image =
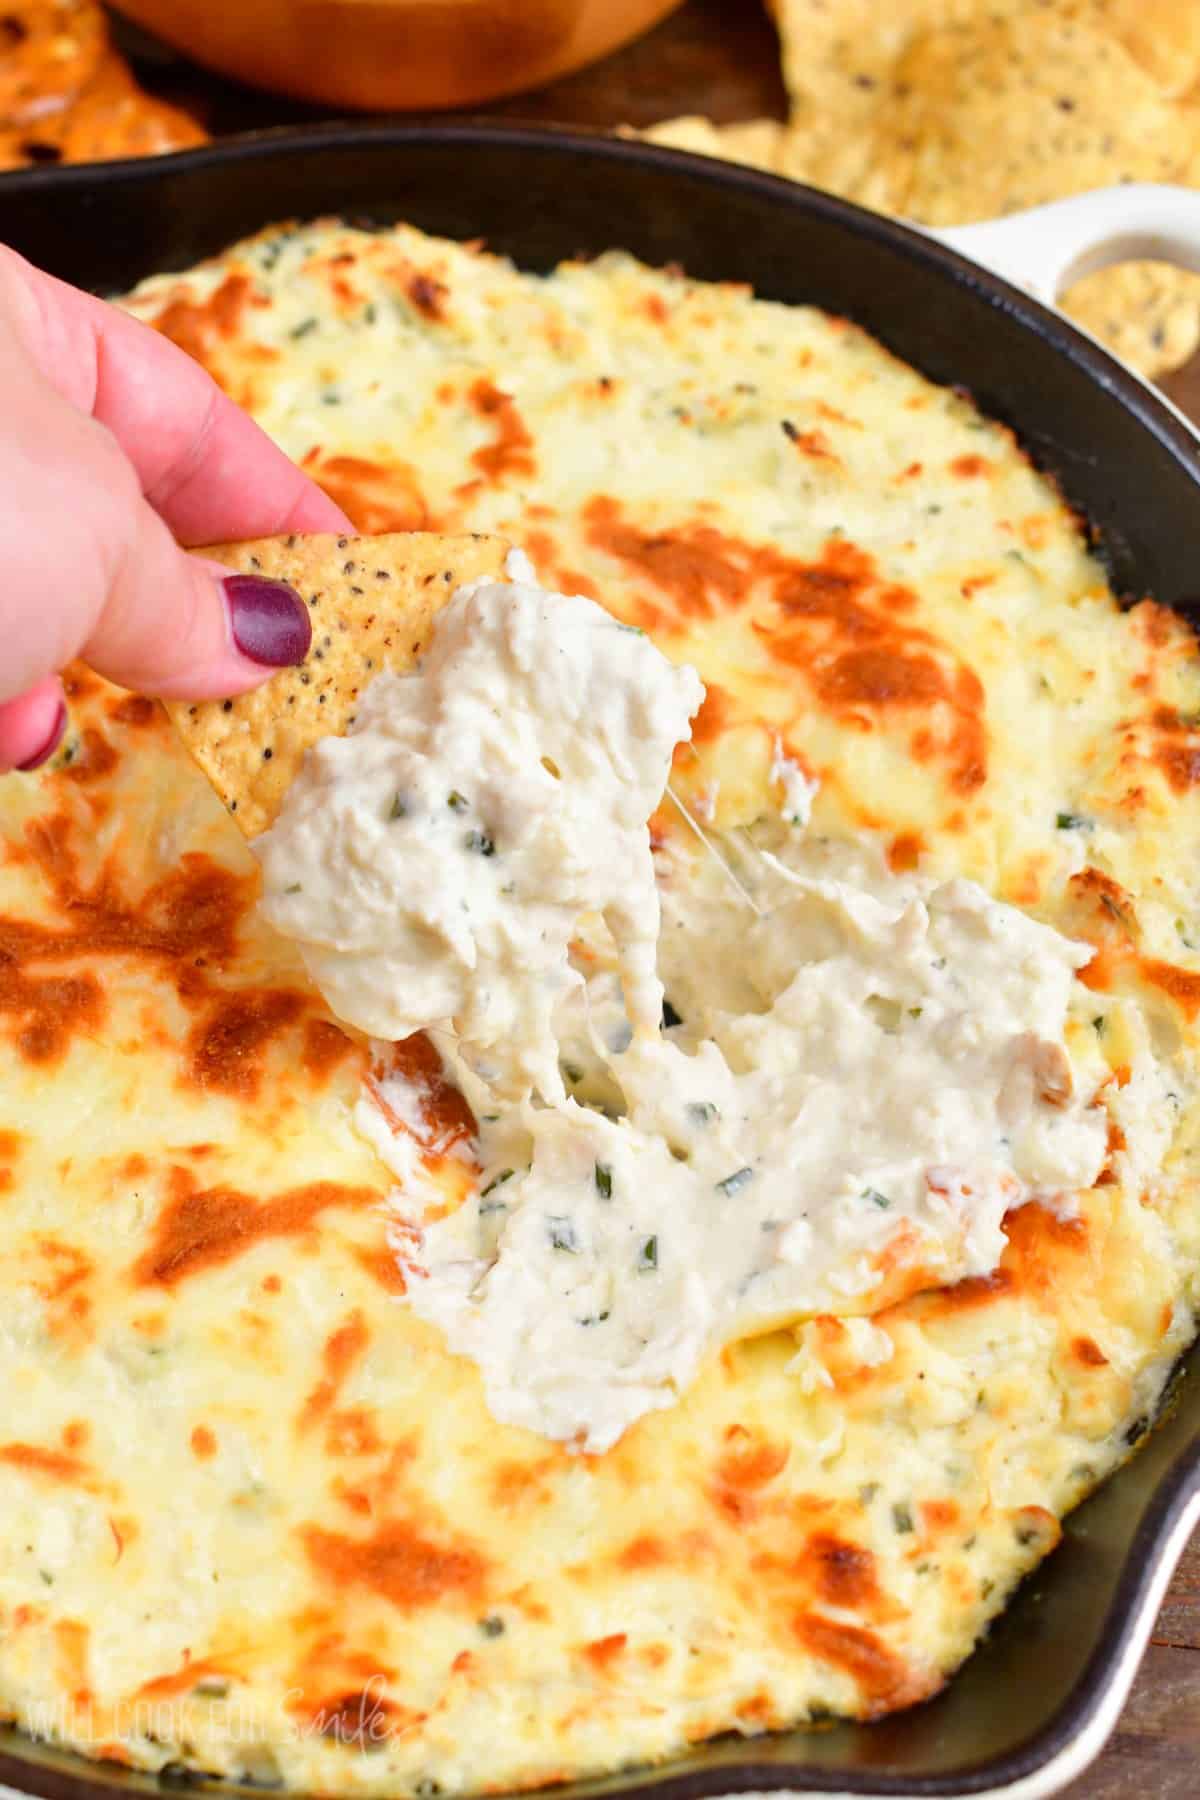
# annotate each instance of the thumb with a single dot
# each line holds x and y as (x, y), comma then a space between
(184, 628)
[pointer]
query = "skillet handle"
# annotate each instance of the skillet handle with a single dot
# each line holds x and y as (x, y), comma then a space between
(1047, 248)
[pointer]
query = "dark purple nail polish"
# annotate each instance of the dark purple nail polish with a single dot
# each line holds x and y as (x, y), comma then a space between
(269, 620)
(51, 744)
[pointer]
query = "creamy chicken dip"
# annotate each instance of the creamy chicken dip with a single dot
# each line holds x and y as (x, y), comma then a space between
(869, 1075)
(434, 862)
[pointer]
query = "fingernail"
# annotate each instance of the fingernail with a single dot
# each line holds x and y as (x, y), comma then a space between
(269, 620)
(51, 744)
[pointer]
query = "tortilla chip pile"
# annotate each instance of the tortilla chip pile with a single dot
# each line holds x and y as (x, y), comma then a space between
(67, 95)
(949, 111)
(372, 602)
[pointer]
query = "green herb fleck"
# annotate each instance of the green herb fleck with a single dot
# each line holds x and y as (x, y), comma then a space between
(294, 887)
(1099, 1024)
(648, 1255)
(635, 629)
(398, 810)
(211, 1688)
(492, 1627)
(480, 843)
(496, 1181)
(1068, 821)
(47, 1577)
(457, 802)
(573, 1073)
(902, 1517)
(603, 1181)
(876, 1198)
(701, 1112)
(562, 1234)
(594, 1318)
(867, 1492)
(733, 1184)
(303, 329)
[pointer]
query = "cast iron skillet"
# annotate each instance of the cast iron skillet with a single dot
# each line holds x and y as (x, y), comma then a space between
(1037, 1699)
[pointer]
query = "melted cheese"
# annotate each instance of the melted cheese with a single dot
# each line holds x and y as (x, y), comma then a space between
(903, 1082)
(432, 864)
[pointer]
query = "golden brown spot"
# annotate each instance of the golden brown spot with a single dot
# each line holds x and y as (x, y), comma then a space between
(839, 1573)
(135, 711)
(325, 1046)
(181, 1680)
(36, 1459)
(381, 1266)
(446, 1118)
(362, 1720)
(602, 1652)
(377, 497)
(813, 444)
(883, 1680)
(201, 327)
(398, 1562)
(518, 1483)
(716, 713)
(1181, 985)
(427, 293)
(227, 1047)
(200, 1229)
(904, 852)
(352, 1432)
(939, 1515)
(343, 1348)
(970, 466)
(645, 1552)
(75, 1434)
(71, 1647)
(511, 449)
(655, 308)
(186, 919)
(699, 569)
(752, 1466)
(1086, 1351)
(204, 1443)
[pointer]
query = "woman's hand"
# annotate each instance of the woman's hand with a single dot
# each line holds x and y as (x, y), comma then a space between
(113, 445)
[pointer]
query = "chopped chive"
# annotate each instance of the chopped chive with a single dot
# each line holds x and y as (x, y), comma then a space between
(294, 887)
(594, 1318)
(496, 1181)
(1099, 1024)
(480, 842)
(562, 1235)
(492, 1626)
(902, 1518)
(876, 1198)
(399, 810)
(603, 1181)
(303, 329)
(455, 801)
(573, 1073)
(732, 1184)
(1068, 821)
(648, 1255)
(701, 1111)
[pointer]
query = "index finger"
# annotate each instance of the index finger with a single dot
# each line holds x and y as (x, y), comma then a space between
(203, 464)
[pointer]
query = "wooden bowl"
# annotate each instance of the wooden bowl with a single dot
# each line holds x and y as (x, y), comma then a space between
(385, 54)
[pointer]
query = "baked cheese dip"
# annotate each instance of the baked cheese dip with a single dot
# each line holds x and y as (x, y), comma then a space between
(496, 1400)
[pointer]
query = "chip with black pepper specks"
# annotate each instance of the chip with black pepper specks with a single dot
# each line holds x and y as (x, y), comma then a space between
(372, 601)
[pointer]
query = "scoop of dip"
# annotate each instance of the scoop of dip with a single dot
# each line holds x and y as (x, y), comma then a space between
(434, 862)
(898, 1080)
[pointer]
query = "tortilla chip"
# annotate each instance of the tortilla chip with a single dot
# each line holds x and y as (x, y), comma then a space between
(949, 111)
(373, 601)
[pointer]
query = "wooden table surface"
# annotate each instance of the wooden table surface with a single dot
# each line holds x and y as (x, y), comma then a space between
(720, 57)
